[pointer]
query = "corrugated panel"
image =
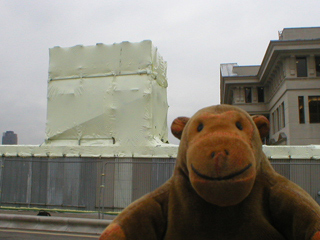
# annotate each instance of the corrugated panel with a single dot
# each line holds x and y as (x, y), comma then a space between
(107, 177)
(71, 185)
(304, 172)
(162, 170)
(315, 179)
(39, 182)
(281, 166)
(141, 177)
(300, 173)
(134, 177)
(55, 183)
(73, 182)
(59, 182)
(15, 179)
(88, 184)
(122, 182)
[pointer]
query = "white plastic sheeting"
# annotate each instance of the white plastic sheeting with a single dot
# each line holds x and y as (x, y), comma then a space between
(292, 152)
(107, 95)
(163, 151)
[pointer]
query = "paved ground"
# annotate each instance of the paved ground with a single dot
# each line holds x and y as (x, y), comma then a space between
(59, 214)
(37, 235)
(26, 224)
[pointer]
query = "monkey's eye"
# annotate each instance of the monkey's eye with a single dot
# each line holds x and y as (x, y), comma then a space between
(239, 125)
(200, 127)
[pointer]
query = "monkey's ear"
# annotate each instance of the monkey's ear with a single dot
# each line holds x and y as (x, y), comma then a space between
(262, 124)
(178, 125)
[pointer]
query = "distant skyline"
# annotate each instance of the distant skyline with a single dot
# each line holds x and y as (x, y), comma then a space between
(194, 37)
(9, 138)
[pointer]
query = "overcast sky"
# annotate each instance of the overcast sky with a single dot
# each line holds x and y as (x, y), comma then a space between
(194, 37)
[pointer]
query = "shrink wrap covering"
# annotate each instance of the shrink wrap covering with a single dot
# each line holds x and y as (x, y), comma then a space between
(107, 95)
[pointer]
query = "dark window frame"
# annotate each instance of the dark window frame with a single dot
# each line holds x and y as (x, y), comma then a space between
(260, 91)
(317, 62)
(314, 109)
(302, 66)
(274, 122)
(248, 94)
(283, 115)
(302, 118)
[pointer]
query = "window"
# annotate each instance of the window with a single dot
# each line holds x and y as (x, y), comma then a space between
(314, 109)
(248, 94)
(301, 109)
(278, 118)
(301, 64)
(260, 94)
(274, 123)
(317, 59)
(283, 115)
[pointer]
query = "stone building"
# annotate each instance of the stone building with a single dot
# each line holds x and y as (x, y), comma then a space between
(285, 87)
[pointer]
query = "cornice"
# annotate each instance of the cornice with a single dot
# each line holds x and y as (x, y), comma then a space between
(278, 47)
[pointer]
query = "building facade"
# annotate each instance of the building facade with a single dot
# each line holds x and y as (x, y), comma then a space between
(285, 87)
(9, 138)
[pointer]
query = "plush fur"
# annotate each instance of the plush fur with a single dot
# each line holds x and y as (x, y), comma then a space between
(223, 187)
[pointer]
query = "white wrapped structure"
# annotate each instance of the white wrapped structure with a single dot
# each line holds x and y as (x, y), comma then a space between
(107, 95)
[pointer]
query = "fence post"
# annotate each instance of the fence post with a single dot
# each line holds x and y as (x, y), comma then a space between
(101, 192)
(29, 184)
(3, 159)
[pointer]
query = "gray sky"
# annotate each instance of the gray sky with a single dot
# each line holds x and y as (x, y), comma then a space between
(193, 36)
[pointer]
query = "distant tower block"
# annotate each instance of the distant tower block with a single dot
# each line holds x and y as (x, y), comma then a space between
(107, 95)
(9, 138)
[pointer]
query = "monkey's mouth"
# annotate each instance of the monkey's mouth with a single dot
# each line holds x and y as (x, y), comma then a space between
(230, 176)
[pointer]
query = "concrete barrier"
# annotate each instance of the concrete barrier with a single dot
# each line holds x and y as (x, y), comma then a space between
(55, 224)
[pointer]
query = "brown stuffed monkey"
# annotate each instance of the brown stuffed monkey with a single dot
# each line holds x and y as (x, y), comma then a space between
(223, 187)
